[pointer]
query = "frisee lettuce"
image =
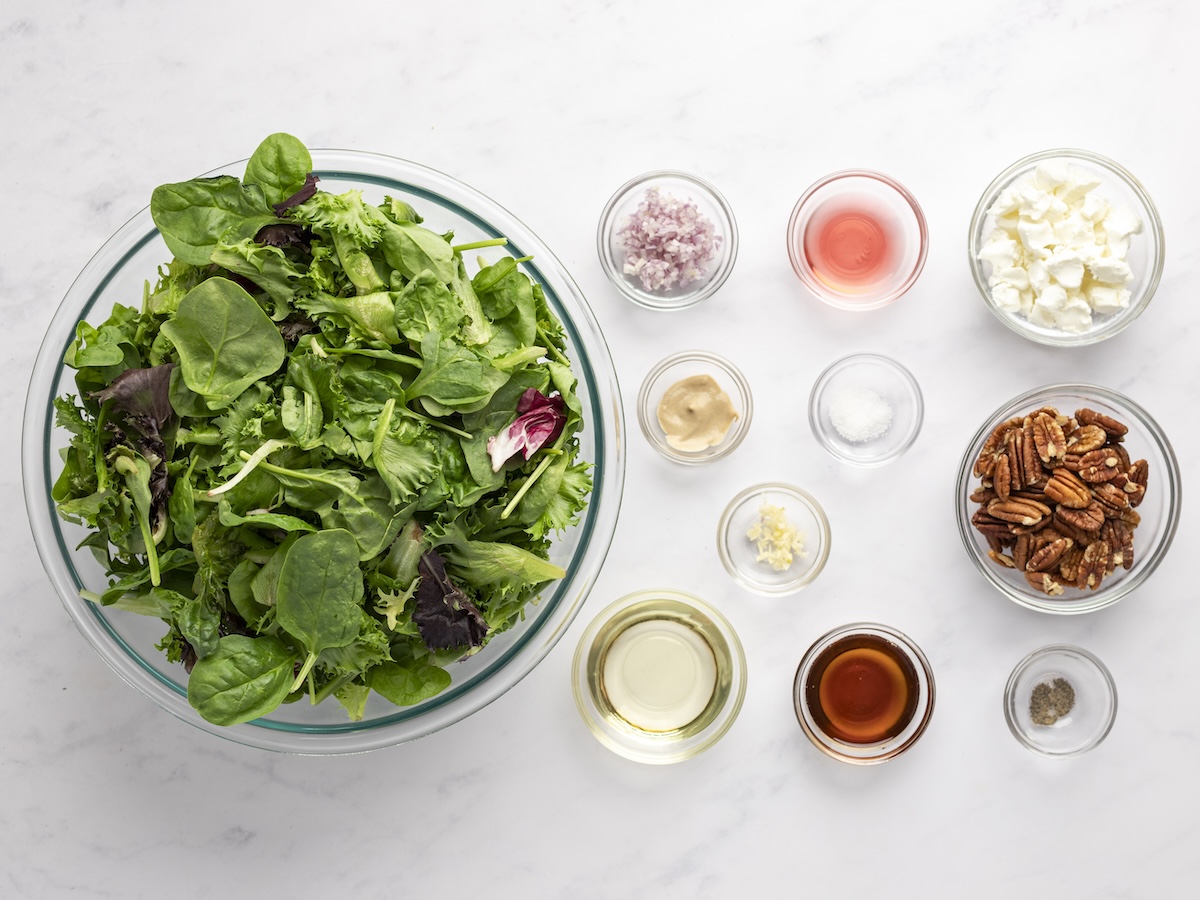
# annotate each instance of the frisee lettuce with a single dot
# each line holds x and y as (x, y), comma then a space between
(283, 453)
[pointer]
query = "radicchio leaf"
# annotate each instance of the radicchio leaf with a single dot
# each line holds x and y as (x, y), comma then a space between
(141, 394)
(444, 615)
(285, 234)
(539, 421)
(306, 192)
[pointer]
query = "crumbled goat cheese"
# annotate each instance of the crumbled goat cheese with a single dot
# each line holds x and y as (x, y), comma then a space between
(1057, 250)
(667, 242)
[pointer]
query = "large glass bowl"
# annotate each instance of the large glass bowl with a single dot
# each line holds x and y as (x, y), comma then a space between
(1158, 512)
(126, 640)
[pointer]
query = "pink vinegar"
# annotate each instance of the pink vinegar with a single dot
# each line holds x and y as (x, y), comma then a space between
(853, 244)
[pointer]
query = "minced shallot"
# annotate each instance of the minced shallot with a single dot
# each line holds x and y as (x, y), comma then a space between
(668, 242)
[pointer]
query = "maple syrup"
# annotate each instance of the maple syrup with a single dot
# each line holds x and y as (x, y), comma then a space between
(862, 689)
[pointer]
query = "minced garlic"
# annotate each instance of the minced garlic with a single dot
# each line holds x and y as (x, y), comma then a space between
(779, 541)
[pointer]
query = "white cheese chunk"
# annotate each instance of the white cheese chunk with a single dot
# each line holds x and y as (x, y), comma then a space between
(1057, 250)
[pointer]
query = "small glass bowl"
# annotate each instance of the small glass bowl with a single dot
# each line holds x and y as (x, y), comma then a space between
(683, 365)
(679, 743)
(709, 202)
(739, 553)
(1088, 721)
(1145, 257)
(1158, 511)
(877, 751)
(892, 209)
(891, 382)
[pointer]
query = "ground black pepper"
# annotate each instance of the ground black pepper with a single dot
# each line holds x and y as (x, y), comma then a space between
(1050, 702)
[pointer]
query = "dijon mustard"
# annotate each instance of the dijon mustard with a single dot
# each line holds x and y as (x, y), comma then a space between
(695, 414)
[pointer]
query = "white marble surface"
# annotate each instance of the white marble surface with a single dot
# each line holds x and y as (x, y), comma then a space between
(548, 107)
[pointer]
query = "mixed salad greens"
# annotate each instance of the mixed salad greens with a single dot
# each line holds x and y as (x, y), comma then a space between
(327, 457)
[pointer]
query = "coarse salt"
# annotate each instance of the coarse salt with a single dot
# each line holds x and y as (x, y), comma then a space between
(859, 414)
(668, 243)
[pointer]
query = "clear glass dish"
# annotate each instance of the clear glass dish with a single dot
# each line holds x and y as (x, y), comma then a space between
(739, 552)
(919, 686)
(688, 364)
(844, 384)
(126, 641)
(683, 187)
(693, 629)
(1158, 512)
(879, 218)
(1060, 732)
(1146, 253)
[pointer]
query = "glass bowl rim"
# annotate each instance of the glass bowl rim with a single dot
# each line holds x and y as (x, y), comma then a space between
(729, 243)
(1154, 226)
(1041, 653)
(739, 431)
(716, 729)
(810, 503)
(592, 360)
(1093, 600)
(925, 678)
(837, 299)
(822, 383)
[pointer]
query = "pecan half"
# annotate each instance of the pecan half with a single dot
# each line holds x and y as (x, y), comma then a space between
(1021, 550)
(1044, 582)
(1111, 497)
(1110, 425)
(1031, 463)
(1001, 477)
(1068, 566)
(1049, 555)
(1001, 559)
(1049, 439)
(1139, 474)
(1120, 539)
(989, 526)
(1087, 437)
(1089, 519)
(983, 494)
(1094, 564)
(1099, 465)
(1019, 512)
(1068, 489)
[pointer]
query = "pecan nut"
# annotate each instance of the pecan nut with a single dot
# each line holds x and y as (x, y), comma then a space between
(1019, 511)
(1045, 582)
(1089, 519)
(1048, 438)
(1087, 437)
(1111, 426)
(1049, 555)
(1099, 465)
(1068, 489)
(1094, 564)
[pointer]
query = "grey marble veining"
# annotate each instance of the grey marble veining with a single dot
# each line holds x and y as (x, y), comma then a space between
(548, 108)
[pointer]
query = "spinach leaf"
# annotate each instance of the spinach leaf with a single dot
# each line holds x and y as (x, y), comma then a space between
(244, 679)
(426, 305)
(408, 685)
(412, 249)
(453, 376)
(279, 166)
(225, 341)
(320, 591)
(193, 215)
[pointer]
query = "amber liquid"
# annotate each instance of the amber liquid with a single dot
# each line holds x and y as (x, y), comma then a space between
(862, 690)
(852, 245)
